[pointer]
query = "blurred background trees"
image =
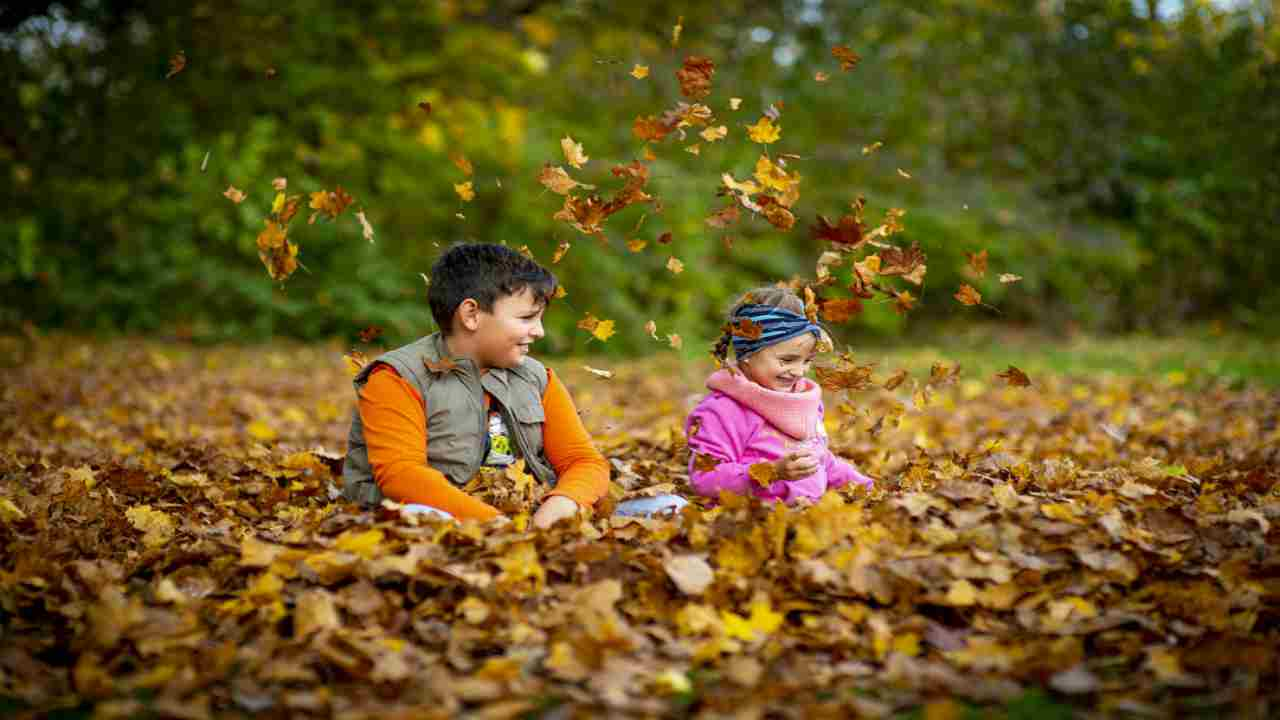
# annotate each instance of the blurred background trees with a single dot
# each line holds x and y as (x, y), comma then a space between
(1123, 157)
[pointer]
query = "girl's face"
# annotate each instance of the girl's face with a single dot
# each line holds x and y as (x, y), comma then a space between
(781, 366)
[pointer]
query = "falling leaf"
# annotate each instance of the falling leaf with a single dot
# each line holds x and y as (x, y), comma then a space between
(600, 329)
(868, 149)
(820, 76)
(847, 235)
(573, 153)
(636, 245)
(695, 76)
(977, 262)
(234, 195)
(694, 149)
(847, 57)
(651, 329)
(366, 228)
(675, 32)
(1009, 278)
(176, 64)
(464, 191)
(674, 341)
(205, 162)
(904, 173)
(674, 265)
(664, 238)
(330, 204)
(561, 249)
(557, 180)
(967, 295)
(260, 430)
(426, 107)
(764, 131)
(606, 374)
(840, 310)
(724, 217)
(279, 184)
(712, 134)
(1014, 377)
(895, 380)
(640, 72)
(649, 128)
(462, 163)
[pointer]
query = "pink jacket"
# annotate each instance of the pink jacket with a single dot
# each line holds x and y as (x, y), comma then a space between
(741, 423)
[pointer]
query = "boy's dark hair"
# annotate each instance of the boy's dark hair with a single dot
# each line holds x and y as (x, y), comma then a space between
(483, 272)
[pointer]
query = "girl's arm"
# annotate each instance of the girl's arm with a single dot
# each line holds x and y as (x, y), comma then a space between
(716, 431)
(840, 472)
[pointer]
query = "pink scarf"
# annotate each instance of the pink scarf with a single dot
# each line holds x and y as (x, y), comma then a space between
(794, 413)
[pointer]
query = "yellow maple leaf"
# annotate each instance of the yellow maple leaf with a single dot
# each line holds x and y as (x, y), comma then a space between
(640, 72)
(10, 512)
(464, 191)
(674, 265)
(761, 622)
(764, 131)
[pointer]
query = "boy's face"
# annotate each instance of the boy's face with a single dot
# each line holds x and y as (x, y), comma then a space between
(781, 366)
(502, 337)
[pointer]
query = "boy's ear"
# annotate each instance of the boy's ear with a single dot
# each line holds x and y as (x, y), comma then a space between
(467, 315)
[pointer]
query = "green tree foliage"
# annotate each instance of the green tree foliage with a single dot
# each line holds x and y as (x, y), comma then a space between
(1120, 157)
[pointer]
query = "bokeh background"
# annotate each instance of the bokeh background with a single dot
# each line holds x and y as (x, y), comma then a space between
(1122, 156)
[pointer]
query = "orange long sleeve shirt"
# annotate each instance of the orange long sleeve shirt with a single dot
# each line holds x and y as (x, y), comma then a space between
(395, 431)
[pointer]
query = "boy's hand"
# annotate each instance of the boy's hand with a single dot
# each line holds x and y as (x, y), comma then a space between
(553, 509)
(797, 464)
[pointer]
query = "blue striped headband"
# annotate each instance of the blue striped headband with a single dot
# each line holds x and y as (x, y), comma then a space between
(776, 325)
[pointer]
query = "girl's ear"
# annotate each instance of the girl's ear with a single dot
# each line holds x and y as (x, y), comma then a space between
(468, 314)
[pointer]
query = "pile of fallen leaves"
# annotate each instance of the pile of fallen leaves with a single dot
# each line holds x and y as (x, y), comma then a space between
(172, 544)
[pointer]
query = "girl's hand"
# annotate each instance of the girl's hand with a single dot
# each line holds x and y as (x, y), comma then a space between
(797, 464)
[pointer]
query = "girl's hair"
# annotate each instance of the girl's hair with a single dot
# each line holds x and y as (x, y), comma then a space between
(780, 297)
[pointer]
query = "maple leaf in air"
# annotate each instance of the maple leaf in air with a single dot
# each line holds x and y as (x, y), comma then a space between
(847, 235)
(977, 262)
(573, 153)
(600, 329)
(695, 76)
(847, 57)
(234, 195)
(177, 64)
(967, 295)
(764, 131)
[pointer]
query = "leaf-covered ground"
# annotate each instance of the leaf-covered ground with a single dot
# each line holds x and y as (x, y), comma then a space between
(171, 546)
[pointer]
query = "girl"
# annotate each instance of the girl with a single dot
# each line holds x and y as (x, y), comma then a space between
(763, 410)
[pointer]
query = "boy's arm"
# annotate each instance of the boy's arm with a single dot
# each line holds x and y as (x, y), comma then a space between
(717, 436)
(395, 431)
(583, 473)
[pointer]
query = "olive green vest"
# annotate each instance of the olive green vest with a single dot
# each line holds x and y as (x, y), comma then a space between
(457, 422)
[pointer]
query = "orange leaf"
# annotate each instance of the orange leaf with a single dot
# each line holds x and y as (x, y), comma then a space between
(763, 474)
(695, 76)
(967, 295)
(840, 310)
(176, 64)
(847, 57)
(640, 72)
(1015, 377)
(977, 262)
(234, 195)
(573, 153)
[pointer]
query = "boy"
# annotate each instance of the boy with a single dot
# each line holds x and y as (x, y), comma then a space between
(432, 412)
